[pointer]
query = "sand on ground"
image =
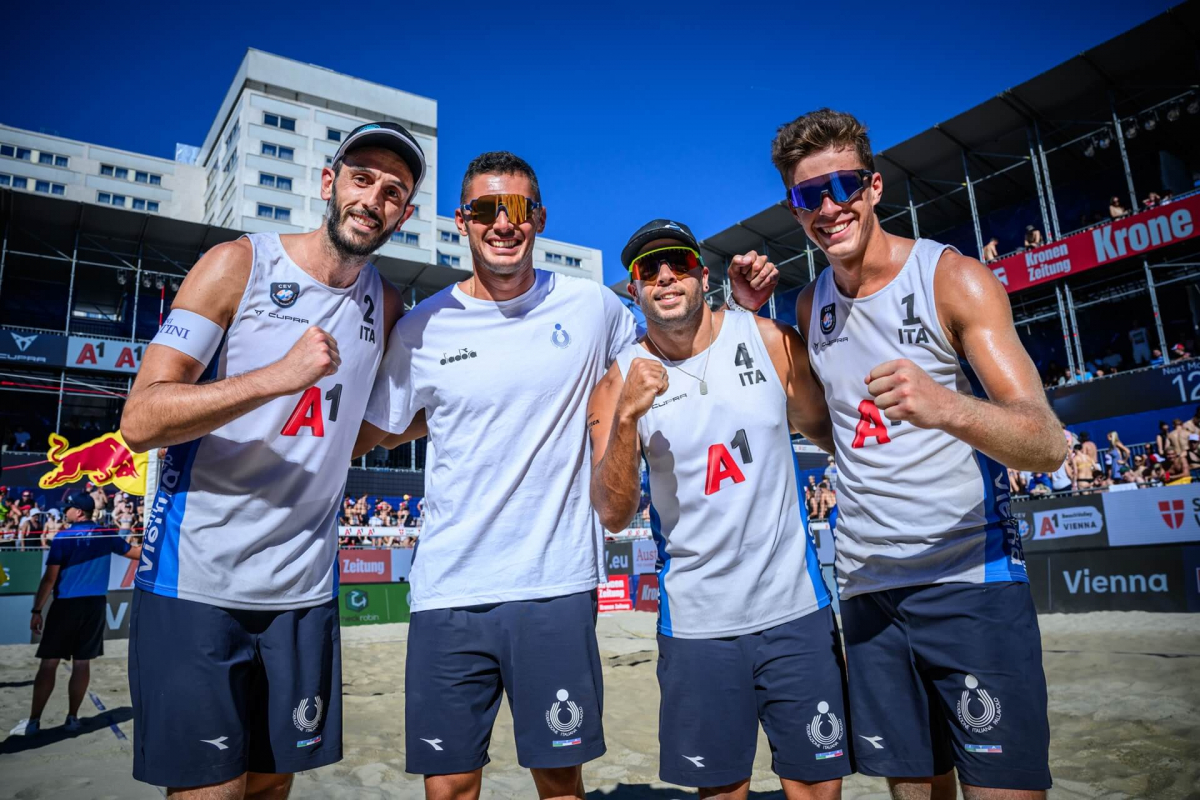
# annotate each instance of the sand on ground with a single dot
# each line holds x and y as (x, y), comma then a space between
(1124, 692)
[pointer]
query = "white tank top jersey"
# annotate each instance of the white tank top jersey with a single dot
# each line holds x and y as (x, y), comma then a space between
(734, 553)
(504, 385)
(246, 516)
(915, 506)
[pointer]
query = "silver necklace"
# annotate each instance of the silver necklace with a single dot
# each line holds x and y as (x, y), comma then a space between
(708, 354)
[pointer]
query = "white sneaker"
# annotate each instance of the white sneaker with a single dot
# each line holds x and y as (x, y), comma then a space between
(72, 724)
(26, 727)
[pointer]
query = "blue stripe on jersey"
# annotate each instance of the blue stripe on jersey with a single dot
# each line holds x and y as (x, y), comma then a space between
(1004, 558)
(812, 562)
(160, 545)
(664, 607)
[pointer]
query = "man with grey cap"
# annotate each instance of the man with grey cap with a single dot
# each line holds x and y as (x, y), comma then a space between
(256, 383)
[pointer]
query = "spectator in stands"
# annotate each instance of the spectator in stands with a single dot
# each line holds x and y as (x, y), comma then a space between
(1177, 439)
(101, 501)
(1116, 209)
(1016, 482)
(51, 526)
(8, 533)
(124, 517)
(1177, 472)
(1193, 456)
(1039, 484)
(1151, 201)
(1160, 441)
(991, 250)
(1167, 198)
(21, 438)
(1117, 459)
(1085, 468)
(1033, 237)
(811, 495)
(361, 511)
(1179, 352)
(402, 516)
(831, 471)
(828, 499)
(1139, 472)
(1156, 358)
(1089, 447)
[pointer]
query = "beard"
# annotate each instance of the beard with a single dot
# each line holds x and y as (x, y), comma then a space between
(351, 246)
(679, 318)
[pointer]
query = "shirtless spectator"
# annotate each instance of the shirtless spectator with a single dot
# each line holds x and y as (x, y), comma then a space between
(361, 511)
(1151, 200)
(51, 527)
(1160, 441)
(1193, 456)
(1033, 237)
(827, 500)
(1085, 469)
(1177, 439)
(991, 250)
(101, 501)
(1139, 473)
(402, 516)
(1116, 209)
(1016, 482)
(1089, 446)
(124, 518)
(1177, 468)
(1193, 424)
(811, 495)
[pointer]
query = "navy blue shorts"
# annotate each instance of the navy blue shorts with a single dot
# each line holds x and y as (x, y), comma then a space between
(716, 691)
(218, 691)
(543, 653)
(949, 675)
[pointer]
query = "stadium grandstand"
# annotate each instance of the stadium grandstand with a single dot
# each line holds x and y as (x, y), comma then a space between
(1080, 188)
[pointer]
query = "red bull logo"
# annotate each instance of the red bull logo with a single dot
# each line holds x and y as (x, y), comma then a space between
(105, 459)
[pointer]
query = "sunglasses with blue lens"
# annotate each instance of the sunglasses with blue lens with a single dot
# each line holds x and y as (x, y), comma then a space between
(842, 185)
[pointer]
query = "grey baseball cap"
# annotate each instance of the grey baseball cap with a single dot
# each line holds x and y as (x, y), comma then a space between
(395, 138)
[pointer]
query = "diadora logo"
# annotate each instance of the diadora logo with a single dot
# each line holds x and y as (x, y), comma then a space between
(876, 741)
(829, 318)
(434, 743)
(218, 743)
(697, 761)
(23, 342)
(574, 718)
(819, 738)
(989, 707)
(1172, 513)
(462, 355)
(285, 295)
(561, 338)
(300, 715)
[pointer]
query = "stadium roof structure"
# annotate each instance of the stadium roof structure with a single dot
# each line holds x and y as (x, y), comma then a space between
(43, 226)
(1007, 156)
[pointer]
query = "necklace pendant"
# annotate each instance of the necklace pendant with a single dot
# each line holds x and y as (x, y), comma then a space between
(703, 387)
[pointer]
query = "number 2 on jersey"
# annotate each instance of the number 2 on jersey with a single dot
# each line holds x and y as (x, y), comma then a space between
(721, 464)
(307, 413)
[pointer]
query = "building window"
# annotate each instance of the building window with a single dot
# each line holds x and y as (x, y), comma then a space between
(114, 172)
(46, 187)
(23, 153)
(61, 161)
(329, 161)
(231, 162)
(118, 200)
(139, 204)
(275, 181)
(155, 180)
(232, 134)
(274, 212)
(277, 121)
(554, 258)
(106, 169)
(19, 183)
(447, 236)
(277, 151)
(448, 260)
(8, 151)
(58, 189)
(5, 180)
(53, 158)
(152, 206)
(574, 262)
(404, 237)
(148, 177)
(104, 197)
(333, 134)
(108, 199)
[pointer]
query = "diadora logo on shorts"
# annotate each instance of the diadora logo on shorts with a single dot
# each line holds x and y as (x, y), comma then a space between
(818, 736)
(829, 318)
(697, 761)
(876, 741)
(462, 355)
(285, 295)
(300, 715)
(560, 337)
(989, 713)
(574, 715)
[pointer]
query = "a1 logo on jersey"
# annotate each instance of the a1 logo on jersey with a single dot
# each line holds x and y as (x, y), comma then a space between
(829, 318)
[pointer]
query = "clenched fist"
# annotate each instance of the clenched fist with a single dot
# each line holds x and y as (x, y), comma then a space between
(752, 278)
(904, 391)
(313, 356)
(646, 380)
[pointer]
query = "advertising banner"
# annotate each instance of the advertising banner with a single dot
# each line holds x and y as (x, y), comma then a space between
(618, 558)
(103, 460)
(372, 532)
(1153, 516)
(1061, 523)
(645, 557)
(1139, 579)
(18, 349)
(647, 594)
(1136, 234)
(614, 595)
(23, 568)
(370, 604)
(104, 355)
(121, 573)
(1128, 393)
(365, 566)
(116, 616)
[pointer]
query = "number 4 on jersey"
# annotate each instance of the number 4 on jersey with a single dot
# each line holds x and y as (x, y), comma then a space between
(307, 413)
(721, 465)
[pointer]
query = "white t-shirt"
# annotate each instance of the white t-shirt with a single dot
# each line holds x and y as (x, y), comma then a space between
(505, 385)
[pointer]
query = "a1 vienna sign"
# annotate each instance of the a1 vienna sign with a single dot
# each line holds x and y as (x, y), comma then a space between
(105, 355)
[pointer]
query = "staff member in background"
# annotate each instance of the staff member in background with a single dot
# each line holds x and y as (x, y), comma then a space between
(77, 573)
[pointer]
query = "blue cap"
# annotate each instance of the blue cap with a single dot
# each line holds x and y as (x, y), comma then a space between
(79, 500)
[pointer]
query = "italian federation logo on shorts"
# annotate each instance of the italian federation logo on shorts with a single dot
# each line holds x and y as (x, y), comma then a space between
(300, 715)
(989, 707)
(825, 739)
(573, 717)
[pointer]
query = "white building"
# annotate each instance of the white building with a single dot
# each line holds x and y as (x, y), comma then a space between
(259, 168)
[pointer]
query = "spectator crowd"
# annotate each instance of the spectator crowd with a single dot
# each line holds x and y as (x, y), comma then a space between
(29, 522)
(378, 522)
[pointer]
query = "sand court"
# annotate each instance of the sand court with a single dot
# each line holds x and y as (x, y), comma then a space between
(1124, 719)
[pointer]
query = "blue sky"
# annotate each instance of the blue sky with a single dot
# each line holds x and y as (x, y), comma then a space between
(626, 111)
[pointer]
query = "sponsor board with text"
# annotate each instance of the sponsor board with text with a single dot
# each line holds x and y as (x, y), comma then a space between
(105, 355)
(618, 558)
(371, 604)
(1061, 523)
(645, 557)
(26, 349)
(614, 594)
(1153, 516)
(1133, 579)
(647, 594)
(23, 569)
(365, 566)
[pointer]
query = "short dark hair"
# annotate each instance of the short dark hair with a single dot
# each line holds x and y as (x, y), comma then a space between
(498, 162)
(815, 131)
